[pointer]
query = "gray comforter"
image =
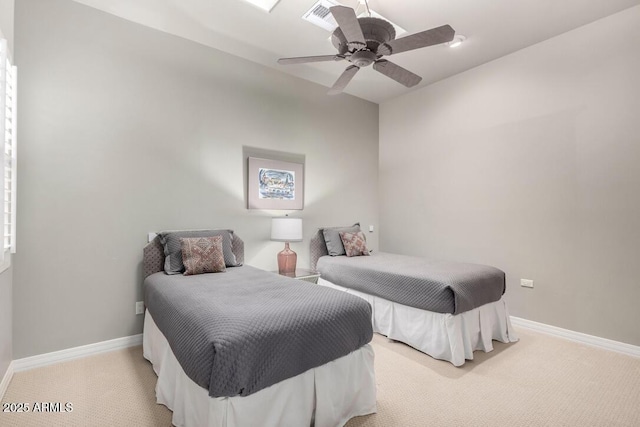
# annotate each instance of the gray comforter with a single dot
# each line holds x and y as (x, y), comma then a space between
(237, 332)
(439, 286)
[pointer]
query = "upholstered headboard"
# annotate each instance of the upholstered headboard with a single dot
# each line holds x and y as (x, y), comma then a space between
(317, 248)
(153, 255)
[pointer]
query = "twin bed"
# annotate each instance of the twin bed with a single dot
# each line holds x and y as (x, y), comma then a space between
(444, 309)
(248, 347)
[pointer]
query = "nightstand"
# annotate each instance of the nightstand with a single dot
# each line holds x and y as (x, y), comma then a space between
(306, 275)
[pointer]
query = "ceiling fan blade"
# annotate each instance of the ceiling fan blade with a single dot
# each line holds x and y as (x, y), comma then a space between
(343, 80)
(397, 73)
(418, 40)
(305, 59)
(348, 23)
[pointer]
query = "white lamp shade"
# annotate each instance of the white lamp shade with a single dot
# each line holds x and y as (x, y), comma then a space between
(286, 229)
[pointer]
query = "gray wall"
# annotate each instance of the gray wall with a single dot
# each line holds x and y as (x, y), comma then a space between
(125, 130)
(529, 163)
(6, 312)
(6, 21)
(6, 287)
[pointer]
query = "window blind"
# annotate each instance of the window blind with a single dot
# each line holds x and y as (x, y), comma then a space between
(8, 160)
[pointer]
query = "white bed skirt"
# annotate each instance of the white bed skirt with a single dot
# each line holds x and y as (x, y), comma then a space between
(440, 335)
(332, 393)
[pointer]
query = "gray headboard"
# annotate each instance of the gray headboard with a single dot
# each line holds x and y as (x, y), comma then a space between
(153, 255)
(317, 248)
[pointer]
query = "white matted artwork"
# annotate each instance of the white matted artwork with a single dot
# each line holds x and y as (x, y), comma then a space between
(275, 184)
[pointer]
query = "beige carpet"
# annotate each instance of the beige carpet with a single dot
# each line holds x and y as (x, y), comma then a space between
(539, 381)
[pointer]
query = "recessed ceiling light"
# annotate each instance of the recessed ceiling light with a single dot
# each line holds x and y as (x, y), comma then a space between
(457, 40)
(265, 5)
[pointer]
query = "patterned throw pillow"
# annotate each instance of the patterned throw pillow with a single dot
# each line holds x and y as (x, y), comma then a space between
(355, 244)
(202, 255)
(332, 238)
(170, 240)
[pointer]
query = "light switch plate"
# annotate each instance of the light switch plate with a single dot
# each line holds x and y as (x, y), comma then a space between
(371, 229)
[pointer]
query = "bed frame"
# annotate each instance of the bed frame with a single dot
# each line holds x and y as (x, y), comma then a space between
(317, 249)
(443, 336)
(326, 396)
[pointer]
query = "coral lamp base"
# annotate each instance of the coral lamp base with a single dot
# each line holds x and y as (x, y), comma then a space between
(287, 260)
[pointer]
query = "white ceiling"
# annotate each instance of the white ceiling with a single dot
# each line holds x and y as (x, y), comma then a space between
(493, 28)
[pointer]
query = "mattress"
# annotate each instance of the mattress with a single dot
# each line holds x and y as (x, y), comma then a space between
(238, 332)
(433, 285)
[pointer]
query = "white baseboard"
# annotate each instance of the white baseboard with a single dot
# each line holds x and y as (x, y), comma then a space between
(4, 384)
(125, 342)
(75, 353)
(617, 346)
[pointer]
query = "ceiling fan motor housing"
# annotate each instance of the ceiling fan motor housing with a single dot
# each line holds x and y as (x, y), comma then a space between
(375, 30)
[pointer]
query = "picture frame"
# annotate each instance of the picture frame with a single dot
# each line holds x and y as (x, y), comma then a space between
(275, 184)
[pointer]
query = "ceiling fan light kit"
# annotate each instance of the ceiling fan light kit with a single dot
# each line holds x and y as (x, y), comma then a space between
(364, 41)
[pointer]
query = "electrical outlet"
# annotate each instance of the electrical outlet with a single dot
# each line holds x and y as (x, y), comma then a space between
(140, 307)
(526, 283)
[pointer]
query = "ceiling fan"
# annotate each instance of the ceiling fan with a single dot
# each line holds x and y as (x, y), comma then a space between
(364, 41)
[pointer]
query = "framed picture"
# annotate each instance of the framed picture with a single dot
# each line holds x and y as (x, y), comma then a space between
(274, 184)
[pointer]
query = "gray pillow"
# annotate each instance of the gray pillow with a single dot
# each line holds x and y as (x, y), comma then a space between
(332, 238)
(173, 251)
